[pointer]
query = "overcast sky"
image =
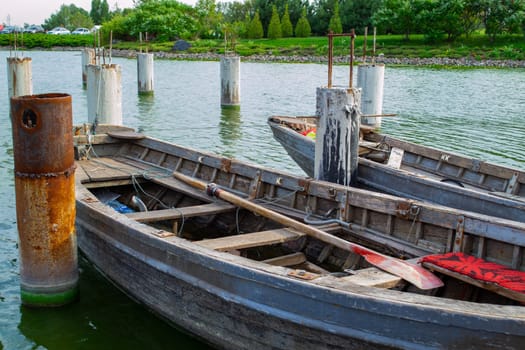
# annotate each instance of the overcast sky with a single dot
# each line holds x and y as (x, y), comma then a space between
(18, 12)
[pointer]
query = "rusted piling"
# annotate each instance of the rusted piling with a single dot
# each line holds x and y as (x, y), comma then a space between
(88, 57)
(104, 95)
(45, 198)
(19, 76)
(145, 73)
(230, 81)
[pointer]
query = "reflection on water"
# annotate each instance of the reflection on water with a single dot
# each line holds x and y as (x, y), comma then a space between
(230, 129)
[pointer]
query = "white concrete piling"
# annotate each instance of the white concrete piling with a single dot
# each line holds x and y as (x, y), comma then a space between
(145, 73)
(370, 78)
(104, 95)
(19, 76)
(88, 57)
(230, 81)
(337, 137)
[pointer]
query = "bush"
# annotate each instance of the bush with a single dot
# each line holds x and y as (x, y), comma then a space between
(303, 29)
(274, 28)
(255, 30)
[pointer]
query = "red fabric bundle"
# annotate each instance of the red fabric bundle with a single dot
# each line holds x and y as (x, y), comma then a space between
(479, 269)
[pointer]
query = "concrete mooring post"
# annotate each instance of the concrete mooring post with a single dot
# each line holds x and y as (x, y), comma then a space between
(337, 137)
(145, 73)
(88, 57)
(104, 95)
(19, 76)
(370, 78)
(45, 198)
(230, 81)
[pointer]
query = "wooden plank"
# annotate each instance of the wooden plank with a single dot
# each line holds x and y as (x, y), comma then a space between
(373, 277)
(103, 169)
(287, 260)
(481, 284)
(250, 240)
(396, 157)
(184, 212)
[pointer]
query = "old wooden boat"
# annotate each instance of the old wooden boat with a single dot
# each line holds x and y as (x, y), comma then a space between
(239, 278)
(409, 170)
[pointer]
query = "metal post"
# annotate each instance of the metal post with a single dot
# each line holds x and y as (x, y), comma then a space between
(88, 57)
(19, 76)
(104, 94)
(45, 198)
(145, 73)
(337, 138)
(230, 81)
(370, 78)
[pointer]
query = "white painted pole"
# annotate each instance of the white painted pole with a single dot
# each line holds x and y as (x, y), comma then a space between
(337, 135)
(19, 76)
(88, 57)
(104, 95)
(370, 78)
(230, 81)
(145, 73)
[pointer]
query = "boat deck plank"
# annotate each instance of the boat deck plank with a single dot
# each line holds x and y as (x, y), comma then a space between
(250, 240)
(184, 212)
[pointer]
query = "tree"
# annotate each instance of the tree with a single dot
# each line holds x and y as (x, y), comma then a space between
(255, 31)
(302, 28)
(286, 24)
(398, 16)
(209, 19)
(502, 16)
(164, 19)
(335, 25)
(99, 11)
(357, 14)
(274, 28)
(70, 17)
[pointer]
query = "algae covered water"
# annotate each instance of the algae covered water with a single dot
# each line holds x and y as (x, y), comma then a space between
(478, 112)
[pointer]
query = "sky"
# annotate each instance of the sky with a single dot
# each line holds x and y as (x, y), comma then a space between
(19, 12)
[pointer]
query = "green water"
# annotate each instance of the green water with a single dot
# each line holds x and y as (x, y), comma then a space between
(475, 112)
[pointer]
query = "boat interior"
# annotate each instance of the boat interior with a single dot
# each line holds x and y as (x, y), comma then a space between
(134, 175)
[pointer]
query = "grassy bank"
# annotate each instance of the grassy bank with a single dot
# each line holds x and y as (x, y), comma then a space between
(511, 47)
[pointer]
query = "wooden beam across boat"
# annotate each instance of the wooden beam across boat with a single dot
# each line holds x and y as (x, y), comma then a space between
(183, 212)
(250, 240)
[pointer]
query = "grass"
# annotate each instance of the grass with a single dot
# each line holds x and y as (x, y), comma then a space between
(477, 46)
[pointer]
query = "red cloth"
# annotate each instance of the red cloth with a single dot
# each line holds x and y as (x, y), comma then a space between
(479, 269)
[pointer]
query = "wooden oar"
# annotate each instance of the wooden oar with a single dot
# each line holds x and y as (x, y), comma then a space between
(414, 274)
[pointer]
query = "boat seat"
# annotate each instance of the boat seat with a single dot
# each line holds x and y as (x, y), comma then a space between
(373, 277)
(495, 277)
(250, 240)
(183, 212)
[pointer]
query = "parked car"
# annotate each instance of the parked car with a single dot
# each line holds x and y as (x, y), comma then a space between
(59, 31)
(11, 29)
(81, 31)
(34, 29)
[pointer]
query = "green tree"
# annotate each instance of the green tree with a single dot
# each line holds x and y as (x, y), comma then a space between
(357, 14)
(286, 24)
(274, 28)
(302, 28)
(398, 16)
(335, 25)
(99, 11)
(255, 31)
(164, 20)
(502, 16)
(209, 19)
(70, 17)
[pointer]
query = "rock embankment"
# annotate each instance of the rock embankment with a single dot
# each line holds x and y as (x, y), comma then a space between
(436, 61)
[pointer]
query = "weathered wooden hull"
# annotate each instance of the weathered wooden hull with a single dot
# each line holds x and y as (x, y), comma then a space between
(497, 196)
(233, 302)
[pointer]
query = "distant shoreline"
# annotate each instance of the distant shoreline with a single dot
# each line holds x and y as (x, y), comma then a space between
(419, 62)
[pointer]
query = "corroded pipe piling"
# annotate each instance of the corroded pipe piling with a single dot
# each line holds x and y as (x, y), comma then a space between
(145, 73)
(337, 137)
(230, 81)
(88, 57)
(19, 78)
(104, 94)
(45, 198)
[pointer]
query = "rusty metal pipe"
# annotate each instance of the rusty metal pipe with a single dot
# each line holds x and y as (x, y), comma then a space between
(45, 198)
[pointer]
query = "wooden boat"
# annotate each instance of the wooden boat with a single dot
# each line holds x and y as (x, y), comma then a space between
(241, 279)
(409, 170)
